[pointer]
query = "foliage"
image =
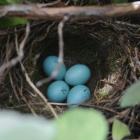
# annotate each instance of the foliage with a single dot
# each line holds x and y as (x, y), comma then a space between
(78, 123)
(119, 130)
(119, 1)
(131, 96)
(14, 126)
(3, 2)
(10, 22)
(82, 124)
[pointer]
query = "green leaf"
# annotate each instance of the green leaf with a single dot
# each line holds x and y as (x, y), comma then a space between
(3, 2)
(13, 21)
(82, 124)
(119, 130)
(14, 126)
(131, 96)
(119, 1)
(14, 1)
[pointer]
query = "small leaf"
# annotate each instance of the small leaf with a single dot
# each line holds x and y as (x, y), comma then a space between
(10, 22)
(131, 96)
(82, 124)
(119, 130)
(14, 1)
(119, 1)
(3, 2)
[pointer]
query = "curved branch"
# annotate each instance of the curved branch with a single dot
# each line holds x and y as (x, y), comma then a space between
(57, 13)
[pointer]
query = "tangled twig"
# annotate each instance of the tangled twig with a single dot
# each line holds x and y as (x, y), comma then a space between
(60, 55)
(29, 81)
(37, 91)
(20, 56)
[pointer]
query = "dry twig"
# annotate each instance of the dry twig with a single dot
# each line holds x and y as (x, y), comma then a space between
(37, 91)
(60, 55)
(33, 11)
(20, 56)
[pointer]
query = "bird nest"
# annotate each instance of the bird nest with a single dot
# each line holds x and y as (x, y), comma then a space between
(109, 48)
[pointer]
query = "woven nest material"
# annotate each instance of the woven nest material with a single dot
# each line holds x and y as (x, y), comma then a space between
(109, 48)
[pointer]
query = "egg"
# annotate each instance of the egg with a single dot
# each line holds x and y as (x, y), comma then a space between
(77, 74)
(50, 64)
(57, 91)
(78, 95)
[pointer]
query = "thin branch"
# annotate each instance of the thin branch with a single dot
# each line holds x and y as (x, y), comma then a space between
(33, 11)
(38, 92)
(127, 24)
(29, 81)
(13, 87)
(60, 55)
(20, 56)
(53, 3)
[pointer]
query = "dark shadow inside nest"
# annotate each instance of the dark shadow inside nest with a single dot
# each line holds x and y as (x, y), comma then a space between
(81, 48)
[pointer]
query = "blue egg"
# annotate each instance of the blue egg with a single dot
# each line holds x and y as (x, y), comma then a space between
(77, 74)
(78, 95)
(57, 91)
(49, 66)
